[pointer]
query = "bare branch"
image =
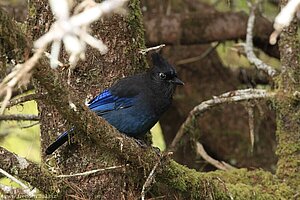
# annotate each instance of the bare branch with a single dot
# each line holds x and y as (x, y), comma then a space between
(229, 97)
(218, 164)
(206, 26)
(249, 47)
(197, 58)
(19, 117)
(22, 99)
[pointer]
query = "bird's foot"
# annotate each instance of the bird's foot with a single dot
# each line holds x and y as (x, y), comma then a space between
(156, 150)
(141, 143)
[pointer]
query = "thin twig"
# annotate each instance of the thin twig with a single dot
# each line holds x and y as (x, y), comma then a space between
(27, 190)
(19, 117)
(218, 164)
(144, 51)
(233, 96)
(249, 47)
(198, 58)
(91, 172)
(30, 125)
(148, 181)
(22, 99)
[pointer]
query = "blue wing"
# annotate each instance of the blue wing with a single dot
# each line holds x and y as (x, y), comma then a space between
(106, 102)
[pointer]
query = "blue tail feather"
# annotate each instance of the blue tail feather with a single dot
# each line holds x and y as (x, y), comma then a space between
(58, 142)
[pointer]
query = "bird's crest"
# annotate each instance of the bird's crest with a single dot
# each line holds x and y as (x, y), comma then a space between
(161, 63)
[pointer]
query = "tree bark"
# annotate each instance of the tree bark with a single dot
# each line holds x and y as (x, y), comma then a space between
(287, 107)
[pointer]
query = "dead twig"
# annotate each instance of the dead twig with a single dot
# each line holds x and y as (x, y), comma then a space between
(30, 125)
(148, 181)
(144, 51)
(198, 58)
(218, 164)
(91, 171)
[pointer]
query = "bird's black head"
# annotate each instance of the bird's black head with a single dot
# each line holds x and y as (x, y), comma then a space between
(163, 72)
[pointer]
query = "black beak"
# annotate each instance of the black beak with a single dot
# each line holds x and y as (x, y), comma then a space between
(176, 81)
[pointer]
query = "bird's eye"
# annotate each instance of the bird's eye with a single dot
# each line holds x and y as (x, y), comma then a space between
(162, 76)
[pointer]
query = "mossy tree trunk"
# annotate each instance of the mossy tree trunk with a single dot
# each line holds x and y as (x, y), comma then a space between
(124, 37)
(288, 107)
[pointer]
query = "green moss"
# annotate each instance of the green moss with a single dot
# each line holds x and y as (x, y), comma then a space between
(235, 184)
(288, 119)
(31, 9)
(135, 25)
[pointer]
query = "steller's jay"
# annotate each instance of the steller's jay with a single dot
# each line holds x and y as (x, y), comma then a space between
(135, 103)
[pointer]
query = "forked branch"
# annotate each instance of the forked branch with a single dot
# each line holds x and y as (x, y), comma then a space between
(229, 97)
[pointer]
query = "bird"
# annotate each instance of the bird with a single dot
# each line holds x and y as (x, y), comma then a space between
(134, 104)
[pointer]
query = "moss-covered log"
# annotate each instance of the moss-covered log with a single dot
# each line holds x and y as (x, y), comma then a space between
(207, 26)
